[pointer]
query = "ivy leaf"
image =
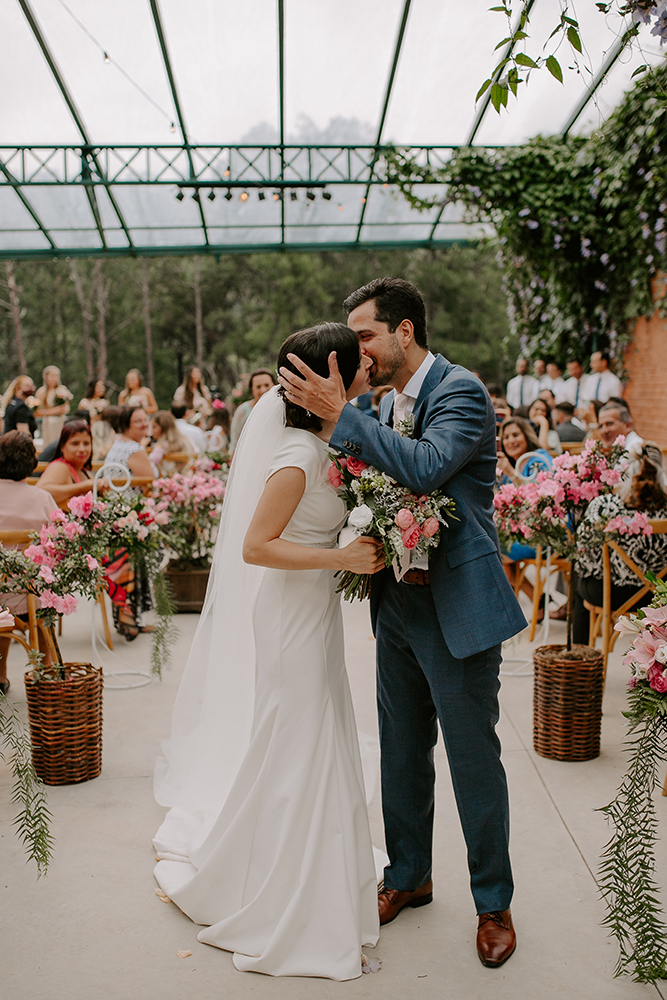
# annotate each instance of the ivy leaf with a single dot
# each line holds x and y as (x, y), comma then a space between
(524, 60)
(640, 69)
(500, 9)
(573, 37)
(503, 41)
(498, 96)
(520, 35)
(482, 90)
(553, 66)
(568, 20)
(604, 8)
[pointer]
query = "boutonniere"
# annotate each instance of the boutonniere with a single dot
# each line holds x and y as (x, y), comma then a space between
(406, 427)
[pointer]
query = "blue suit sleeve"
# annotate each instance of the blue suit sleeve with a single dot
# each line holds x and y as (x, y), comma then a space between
(453, 428)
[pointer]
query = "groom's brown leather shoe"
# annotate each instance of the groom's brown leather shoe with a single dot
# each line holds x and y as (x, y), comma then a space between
(392, 901)
(496, 939)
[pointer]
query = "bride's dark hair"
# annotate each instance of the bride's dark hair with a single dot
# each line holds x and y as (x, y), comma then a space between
(314, 346)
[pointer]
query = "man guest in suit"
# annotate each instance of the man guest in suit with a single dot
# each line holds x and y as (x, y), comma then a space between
(440, 627)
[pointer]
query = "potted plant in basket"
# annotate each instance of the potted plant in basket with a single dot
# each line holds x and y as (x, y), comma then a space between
(549, 511)
(188, 508)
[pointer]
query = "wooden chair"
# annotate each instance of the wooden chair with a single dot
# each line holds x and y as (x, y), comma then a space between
(573, 447)
(540, 563)
(603, 619)
(20, 540)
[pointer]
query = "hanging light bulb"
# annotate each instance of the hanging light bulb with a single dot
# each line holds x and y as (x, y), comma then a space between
(228, 196)
(340, 208)
(326, 195)
(226, 173)
(180, 196)
(363, 200)
(293, 195)
(261, 196)
(243, 196)
(106, 57)
(277, 196)
(211, 195)
(195, 196)
(310, 196)
(172, 127)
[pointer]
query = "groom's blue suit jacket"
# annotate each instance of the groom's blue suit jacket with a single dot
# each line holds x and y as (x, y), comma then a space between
(454, 449)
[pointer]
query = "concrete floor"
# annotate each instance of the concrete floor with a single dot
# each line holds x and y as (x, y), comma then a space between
(94, 928)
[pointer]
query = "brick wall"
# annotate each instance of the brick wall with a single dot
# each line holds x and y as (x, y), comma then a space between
(646, 391)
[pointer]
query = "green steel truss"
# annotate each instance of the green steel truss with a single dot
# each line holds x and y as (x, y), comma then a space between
(189, 170)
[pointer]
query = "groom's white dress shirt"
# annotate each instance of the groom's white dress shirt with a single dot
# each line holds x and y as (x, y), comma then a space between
(404, 404)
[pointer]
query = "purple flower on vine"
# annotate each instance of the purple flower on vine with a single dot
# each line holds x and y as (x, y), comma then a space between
(523, 212)
(601, 286)
(532, 224)
(585, 247)
(604, 259)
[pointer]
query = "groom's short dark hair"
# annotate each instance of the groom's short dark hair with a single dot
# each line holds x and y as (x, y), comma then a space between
(395, 300)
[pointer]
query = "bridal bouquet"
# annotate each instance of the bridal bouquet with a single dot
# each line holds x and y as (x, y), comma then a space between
(380, 507)
(627, 871)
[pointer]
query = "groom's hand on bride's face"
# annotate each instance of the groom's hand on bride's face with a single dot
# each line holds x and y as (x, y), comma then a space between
(325, 397)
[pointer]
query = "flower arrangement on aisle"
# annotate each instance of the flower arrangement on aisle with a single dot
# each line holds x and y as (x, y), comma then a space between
(28, 792)
(187, 510)
(549, 509)
(627, 871)
(380, 507)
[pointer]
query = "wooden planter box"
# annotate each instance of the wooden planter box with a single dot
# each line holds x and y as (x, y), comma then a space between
(567, 702)
(65, 715)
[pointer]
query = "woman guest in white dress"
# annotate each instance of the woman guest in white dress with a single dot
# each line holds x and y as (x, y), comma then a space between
(267, 841)
(54, 400)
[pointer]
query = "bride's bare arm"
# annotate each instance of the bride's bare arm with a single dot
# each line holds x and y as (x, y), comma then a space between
(263, 545)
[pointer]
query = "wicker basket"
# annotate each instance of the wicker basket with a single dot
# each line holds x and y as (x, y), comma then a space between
(66, 723)
(567, 702)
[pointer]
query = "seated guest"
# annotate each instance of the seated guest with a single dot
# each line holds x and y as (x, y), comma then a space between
(17, 402)
(194, 434)
(588, 415)
(22, 508)
(168, 439)
(517, 438)
(69, 474)
(615, 419)
(49, 453)
(562, 416)
(105, 431)
(644, 488)
(219, 428)
(539, 414)
(95, 400)
(548, 396)
(128, 449)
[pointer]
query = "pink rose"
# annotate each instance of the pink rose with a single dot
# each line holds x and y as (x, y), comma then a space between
(431, 527)
(411, 536)
(404, 519)
(355, 466)
(656, 678)
(335, 477)
(343, 463)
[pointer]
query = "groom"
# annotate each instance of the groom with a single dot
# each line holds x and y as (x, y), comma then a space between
(439, 630)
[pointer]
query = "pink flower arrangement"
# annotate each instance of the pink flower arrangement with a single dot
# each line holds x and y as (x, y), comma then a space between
(187, 510)
(647, 656)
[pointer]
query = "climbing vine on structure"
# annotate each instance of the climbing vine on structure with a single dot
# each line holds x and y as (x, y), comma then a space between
(581, 224)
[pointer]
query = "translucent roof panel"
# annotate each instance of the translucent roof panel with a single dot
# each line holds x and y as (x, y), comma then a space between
(156, 127)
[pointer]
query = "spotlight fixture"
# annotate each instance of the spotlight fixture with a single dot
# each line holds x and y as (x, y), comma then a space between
(243, 196)
(293, 196)
(326, 195)
(310, 196)
(180, 196)
(195, 196)
(261, 196)
(211, 195)
(106, 57)
(229, 195)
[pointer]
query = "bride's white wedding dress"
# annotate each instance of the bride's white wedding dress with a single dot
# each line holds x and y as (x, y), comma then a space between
(282, 873)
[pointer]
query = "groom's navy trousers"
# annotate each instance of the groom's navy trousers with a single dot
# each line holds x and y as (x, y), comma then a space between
(438, 646)
(418, 683)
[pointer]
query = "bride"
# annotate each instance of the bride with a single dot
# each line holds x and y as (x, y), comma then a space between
(267, 840)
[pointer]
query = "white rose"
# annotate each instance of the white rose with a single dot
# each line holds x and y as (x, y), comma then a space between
(360, 517)
(661, 653)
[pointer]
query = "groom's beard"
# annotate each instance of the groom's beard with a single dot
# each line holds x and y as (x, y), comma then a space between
(384, 369)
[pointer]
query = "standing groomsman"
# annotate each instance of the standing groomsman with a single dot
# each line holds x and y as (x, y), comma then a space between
(523, 388)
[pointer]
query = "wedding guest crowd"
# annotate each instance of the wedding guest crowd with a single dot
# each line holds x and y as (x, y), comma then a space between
(261, 380)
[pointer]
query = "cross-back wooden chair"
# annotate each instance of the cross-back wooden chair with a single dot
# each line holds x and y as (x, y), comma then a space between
(603, 619)
(541, 565)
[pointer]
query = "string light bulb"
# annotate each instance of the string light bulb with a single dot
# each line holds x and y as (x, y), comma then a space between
(106, 57)
(276, 196)
(261, 196)
(340, 208)
(172, 127)
(226, 173)
(310, 196)
(326, 195)
(228, 196)
(195, 196)
(211, 195)
(243, 196)
(180, 196)
(294, 196)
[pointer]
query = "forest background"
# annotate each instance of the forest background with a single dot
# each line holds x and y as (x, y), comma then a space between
(103, 317)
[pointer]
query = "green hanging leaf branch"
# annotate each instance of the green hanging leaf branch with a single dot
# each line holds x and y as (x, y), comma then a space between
(166, 633)
(28, 792)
